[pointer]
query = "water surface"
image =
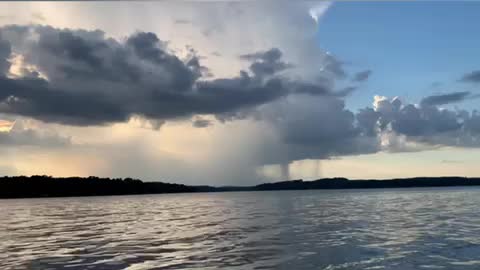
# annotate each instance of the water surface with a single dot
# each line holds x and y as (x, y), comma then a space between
(431, 228)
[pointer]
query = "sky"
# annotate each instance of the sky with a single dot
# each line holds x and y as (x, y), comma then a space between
(240, 93)
(430, 43)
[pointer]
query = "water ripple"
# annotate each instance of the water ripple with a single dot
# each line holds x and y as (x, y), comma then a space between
(364, 229)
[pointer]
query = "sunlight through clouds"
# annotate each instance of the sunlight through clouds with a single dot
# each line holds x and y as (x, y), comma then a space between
(20, 68)
(6, 126)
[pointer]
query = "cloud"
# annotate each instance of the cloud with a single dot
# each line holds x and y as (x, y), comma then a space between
(426, 125)
(266, 63)
(444, 98)
(321, 127)
(5, 51)
(6, 126)
(346, 91)
(201, 123)
(362, 76)
(334, 67)
(471, 77)
(471, 122)
(368, 121)
(21, 136)
(250, 31)
(317, 127)
(94, 80)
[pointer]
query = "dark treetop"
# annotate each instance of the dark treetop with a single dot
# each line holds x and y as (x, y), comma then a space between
(46, 186)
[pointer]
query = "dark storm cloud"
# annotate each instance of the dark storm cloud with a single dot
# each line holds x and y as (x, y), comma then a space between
(425, 124)
(472, 122)
(94, 80)
(266, 63)
(408, 119)
(413, 121)
(5, 51)
(319, 88)
(472, 77)
(362, 76)
(327, 122)
(148, 47)
(367, 120)
(201, 123)
(346, 91)
(445, 98)
(335, 67)
(75, 48)
(271, 55)
(316, 127)
(35, 98)
(319, 127)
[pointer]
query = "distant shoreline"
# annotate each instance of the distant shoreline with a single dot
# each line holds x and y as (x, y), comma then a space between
(46, 186)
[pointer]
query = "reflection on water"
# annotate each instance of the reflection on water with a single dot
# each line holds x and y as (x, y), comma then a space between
(377, 229)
